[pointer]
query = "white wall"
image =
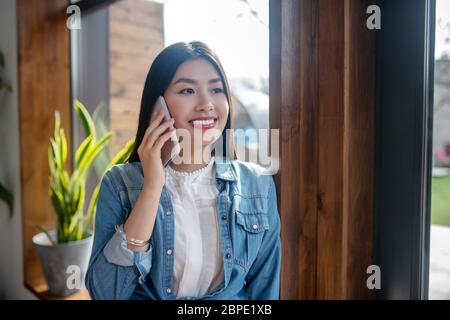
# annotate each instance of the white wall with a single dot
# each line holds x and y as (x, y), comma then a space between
(11, 253)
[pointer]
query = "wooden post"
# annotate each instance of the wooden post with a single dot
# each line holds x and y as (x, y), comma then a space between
(322, 100)
(44, 86)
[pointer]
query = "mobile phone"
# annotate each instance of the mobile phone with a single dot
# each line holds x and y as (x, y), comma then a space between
(171, 147)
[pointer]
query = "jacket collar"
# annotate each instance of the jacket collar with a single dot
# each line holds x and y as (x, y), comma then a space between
(224, 169)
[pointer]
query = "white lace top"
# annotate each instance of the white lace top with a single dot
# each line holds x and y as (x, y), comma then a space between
(198, 266)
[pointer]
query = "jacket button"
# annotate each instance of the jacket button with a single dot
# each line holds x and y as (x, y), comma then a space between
(168, 213)
(255, 226)
(224, 217)
(168, 290)
(169, 251)
(228, 255)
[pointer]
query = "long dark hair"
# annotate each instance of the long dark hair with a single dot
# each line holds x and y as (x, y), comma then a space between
(159, 78)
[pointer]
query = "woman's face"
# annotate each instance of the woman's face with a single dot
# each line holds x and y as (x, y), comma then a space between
(196, 100)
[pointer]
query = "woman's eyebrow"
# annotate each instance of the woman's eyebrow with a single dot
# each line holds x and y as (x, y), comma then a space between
(187, 80)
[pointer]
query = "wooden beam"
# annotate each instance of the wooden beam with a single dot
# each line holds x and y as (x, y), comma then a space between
(44, 86)
(359, 146)
(322, 100)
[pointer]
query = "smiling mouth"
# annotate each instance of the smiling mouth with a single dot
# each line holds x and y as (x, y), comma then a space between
(203, 124)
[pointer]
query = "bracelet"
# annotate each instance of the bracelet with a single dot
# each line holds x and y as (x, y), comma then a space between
(133, 241)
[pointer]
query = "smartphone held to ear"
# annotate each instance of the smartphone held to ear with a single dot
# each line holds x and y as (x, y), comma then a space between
(171, 147)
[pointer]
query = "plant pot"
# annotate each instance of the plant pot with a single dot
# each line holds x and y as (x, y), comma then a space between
(64, 265)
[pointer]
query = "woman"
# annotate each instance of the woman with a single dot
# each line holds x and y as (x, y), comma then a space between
(207, 229)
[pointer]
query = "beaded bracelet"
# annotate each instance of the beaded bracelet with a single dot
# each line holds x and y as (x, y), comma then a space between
(133, 241)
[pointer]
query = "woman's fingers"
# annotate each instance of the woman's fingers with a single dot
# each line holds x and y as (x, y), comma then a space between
(153, 124)
(163, 138)
(159, 131)
(156, 120)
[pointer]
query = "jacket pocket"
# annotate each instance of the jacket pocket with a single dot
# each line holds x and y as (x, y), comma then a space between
(251, 222)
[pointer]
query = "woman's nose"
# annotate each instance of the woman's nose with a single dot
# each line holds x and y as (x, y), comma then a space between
(205, 102)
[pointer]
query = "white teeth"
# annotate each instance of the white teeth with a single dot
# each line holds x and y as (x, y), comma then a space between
(203, 122)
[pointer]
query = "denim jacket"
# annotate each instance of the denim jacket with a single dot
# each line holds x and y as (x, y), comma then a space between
(249, 230)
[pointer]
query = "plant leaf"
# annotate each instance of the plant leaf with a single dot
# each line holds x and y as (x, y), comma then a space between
(82, 150)
(88, 123)
(104, 157)
(98, 116)
(57, 126)
(55, 154)
(63, 148)
(92, 154)
(73, 222)
(57, 201)
(79, 201)
(93, 205)
(122, 155)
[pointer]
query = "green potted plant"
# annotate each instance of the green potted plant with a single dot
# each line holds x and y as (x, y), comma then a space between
(64, 252)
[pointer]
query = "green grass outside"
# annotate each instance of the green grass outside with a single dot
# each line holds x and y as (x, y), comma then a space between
(440, 201)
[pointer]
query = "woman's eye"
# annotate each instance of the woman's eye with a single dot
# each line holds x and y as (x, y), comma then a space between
(217, 90)
(187, 90)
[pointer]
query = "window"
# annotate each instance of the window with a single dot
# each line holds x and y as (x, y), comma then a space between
(440, 194)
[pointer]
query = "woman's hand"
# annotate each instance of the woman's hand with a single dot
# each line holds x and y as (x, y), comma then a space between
(149, 151)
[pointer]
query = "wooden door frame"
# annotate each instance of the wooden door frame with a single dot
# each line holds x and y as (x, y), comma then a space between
(322, 100)
(44, 87)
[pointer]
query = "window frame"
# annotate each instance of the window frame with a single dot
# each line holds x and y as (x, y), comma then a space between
(403, 131)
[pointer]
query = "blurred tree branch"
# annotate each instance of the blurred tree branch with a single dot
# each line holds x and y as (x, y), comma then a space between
(253, 12)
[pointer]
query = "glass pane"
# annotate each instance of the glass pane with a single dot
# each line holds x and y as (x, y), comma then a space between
(440, 203)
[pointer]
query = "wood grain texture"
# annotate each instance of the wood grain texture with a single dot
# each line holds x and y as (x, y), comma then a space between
(358, 150)
(322, 99)
(136, 37)
(44, 86)
(330, 144)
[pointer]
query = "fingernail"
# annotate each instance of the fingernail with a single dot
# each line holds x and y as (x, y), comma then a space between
(154, 113)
